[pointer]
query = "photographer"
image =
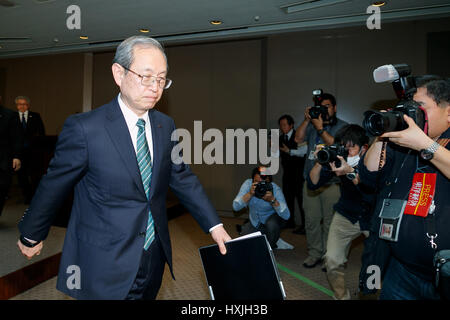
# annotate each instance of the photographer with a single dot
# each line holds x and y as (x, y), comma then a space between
(413, 160)
(352, 211)
(268, 211)
(318, 204)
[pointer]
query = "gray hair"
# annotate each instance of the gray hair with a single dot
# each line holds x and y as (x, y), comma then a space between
(124, 53)
(22, 98)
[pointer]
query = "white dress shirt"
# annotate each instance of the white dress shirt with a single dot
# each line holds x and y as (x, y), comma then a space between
(24, 115)
(131, 119)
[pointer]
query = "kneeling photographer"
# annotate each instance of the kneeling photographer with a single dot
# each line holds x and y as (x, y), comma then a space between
(268, 211)
(410, 164)
(352, 210)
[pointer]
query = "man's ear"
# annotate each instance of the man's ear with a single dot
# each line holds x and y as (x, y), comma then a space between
(118, 73)
(448, 114)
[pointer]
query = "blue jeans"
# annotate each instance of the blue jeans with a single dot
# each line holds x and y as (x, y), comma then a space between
(400, 284)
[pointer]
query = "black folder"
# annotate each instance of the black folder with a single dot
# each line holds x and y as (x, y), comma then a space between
(247, 272)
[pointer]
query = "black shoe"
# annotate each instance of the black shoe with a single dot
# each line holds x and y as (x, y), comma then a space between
(299, 230)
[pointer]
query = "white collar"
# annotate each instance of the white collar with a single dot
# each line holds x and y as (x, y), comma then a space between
(130, 117)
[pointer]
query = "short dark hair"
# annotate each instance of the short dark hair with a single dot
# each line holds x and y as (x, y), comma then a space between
(257, 170)
(439, 91)
(289, 119)
(329, 96)
(352, 133)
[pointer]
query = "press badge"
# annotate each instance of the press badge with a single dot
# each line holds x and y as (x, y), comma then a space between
(421, 194)
(391, 217)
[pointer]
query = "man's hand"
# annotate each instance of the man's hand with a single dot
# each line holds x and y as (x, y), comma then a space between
(30, 252)
(220, 236)
(16, 164)
(284, 148)
(412, 137)
(307, 115)
(268, 196)
(317, 123)
(343, 169)
(252, 189)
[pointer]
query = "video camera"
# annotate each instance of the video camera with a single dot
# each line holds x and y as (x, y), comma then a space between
(376, 123)
(318, 109)
(329, 154)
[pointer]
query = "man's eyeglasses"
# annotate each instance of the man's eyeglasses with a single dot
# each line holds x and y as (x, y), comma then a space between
(149, 81)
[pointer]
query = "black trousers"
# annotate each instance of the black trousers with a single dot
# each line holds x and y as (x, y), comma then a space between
(29, 174)
(272, 229)
(149, 276)
(292, 186)
(5, 182)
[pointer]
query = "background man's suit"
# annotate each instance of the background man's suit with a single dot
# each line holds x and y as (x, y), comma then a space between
(106, 231)
(29, 174)
(10, 147)
(292, 183)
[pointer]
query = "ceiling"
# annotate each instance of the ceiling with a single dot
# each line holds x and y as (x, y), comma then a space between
(31, 27)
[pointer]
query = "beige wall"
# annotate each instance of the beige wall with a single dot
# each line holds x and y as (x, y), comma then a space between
(341, 62)
(53, 83)
(218, 84)
(238, 84)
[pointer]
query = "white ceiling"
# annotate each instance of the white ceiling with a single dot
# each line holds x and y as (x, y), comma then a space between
(39, 26)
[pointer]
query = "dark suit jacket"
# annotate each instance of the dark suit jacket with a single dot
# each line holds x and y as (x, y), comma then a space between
(106, 231)
(291, 164)
(10, 139)
(34, 129)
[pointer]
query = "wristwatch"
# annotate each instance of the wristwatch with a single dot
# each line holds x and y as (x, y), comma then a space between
(352, 175)
(273, 201)
(319, 132)
(428, 153)
(27, 243)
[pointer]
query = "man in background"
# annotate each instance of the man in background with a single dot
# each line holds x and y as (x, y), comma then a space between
(10, 149)
(318, 204)
(32, 128)
(292, 162)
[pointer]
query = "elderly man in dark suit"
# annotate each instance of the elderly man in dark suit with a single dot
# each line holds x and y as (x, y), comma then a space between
(33, 128)
(10, 150)
(118, 157)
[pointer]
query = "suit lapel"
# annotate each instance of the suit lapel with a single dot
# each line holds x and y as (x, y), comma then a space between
(120, 136)
(157, 138)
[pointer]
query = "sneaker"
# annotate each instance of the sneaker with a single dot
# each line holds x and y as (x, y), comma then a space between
(347, 296)
(281, 244)
(311, 262)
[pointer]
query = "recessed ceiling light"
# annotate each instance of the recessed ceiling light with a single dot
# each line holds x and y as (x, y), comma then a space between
(215, 22)
(144, 30)
(84, 37)
(378, 3)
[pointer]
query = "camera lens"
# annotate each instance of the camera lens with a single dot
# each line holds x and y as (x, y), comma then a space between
(324, 156)
(377, 123)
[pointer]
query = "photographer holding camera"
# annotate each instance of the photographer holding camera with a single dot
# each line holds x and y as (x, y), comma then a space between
(268, 211)
(319, 127)
(412, 212)
(352, 211)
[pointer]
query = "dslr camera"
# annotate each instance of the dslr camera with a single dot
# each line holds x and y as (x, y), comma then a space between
(262, 187)
(329, 154)
(318, 110)
(376, 123)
